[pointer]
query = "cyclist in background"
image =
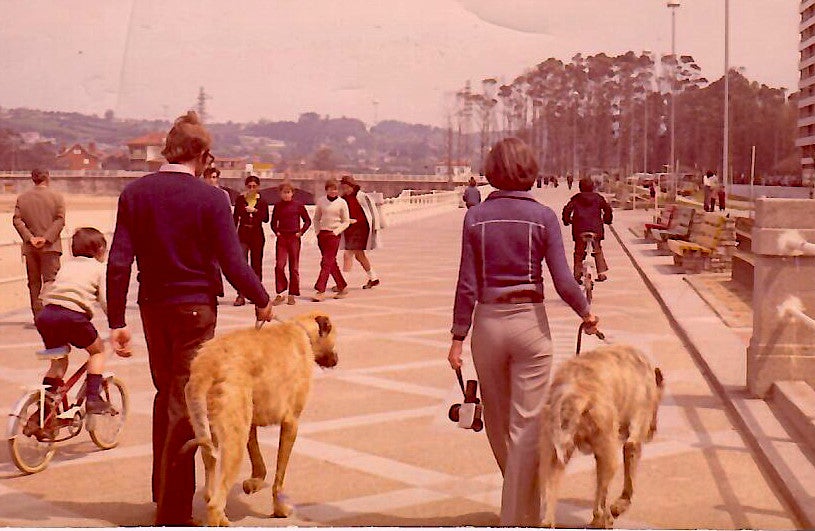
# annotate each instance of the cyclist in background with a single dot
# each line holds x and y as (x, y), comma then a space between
(586, 211)
(67, 312)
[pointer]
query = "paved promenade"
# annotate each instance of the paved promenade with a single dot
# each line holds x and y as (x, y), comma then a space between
(375, 447)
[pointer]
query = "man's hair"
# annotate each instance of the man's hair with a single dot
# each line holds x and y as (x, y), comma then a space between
(252, 179)
(212, 172)
(710, 173)
(471, 181)
(331, 182)
(187, 139)
(586, 184)
(511, 165)
(39, 175)
(285, 186)
(87, 241)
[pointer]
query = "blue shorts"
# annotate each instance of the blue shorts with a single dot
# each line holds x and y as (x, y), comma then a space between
(60, 326)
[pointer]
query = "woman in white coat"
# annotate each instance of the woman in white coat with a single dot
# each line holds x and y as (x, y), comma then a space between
(361, 236)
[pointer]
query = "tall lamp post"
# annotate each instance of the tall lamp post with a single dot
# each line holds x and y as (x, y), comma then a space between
(672, 5)
(575, 170)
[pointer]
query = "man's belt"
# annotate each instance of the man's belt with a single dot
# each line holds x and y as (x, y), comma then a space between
(517, 297)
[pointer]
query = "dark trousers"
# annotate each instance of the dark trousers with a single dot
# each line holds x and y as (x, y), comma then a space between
(173, 334)
(253, 253)
(41, 267)
(580, 255)
(287, 249)
(329, 245)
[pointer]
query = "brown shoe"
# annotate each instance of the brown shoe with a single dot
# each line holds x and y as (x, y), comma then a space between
(602, 277)
(318, 297)
(341, 294)
(239, 301)
(370, 284)
(280, 299)
(291, 300)
(335, 289)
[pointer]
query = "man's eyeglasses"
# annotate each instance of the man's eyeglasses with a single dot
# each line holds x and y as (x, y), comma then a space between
(208, 158)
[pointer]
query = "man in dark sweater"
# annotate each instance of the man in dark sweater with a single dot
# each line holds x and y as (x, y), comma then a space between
(179, 230)
(286, 217)
(586, 212)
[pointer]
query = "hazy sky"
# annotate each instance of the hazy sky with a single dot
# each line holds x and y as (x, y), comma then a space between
(276, 59)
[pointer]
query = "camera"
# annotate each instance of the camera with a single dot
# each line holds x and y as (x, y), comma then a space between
(468, 414)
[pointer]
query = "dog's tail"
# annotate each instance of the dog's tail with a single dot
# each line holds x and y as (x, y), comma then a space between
(567, 412)
(196, 392)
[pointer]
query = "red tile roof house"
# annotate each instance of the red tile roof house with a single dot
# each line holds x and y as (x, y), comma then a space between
(77, 157)
(145, 151)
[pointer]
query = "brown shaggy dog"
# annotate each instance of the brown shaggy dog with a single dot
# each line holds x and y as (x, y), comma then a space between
(252, 378)
(597, 402)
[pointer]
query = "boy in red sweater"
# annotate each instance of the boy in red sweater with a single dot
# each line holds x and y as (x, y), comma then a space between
(286, 216)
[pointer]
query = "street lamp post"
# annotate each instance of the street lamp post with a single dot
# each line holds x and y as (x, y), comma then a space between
(673, 5)
(575, 169)
(726, 140)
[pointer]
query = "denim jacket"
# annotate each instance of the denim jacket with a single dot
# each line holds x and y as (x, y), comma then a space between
(504, 242)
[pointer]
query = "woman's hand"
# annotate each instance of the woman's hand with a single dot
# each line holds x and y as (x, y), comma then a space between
(590, 321)
(454, 355)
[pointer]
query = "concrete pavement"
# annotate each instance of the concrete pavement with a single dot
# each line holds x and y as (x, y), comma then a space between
(375, 447)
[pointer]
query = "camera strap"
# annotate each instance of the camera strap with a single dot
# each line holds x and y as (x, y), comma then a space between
(460, 380)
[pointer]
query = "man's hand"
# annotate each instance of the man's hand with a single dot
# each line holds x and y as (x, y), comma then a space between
(590, 321)
(454, 355)
(37, 241)
(120, 341)
(264, 314)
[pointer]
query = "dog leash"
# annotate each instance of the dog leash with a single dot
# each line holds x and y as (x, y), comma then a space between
(259, 324)
(599, 335)
(460, 380)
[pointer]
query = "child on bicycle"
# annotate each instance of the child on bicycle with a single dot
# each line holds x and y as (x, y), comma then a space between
(67, 311)
(586, 212)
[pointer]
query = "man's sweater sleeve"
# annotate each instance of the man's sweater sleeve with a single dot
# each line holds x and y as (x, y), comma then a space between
(53, 231)
(19, 224)
(230, 256)
(305, 218)
(120, 262)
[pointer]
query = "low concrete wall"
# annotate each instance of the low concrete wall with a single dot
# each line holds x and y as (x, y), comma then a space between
(789, 192)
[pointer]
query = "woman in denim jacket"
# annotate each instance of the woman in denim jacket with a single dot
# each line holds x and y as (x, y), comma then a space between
(504, 243)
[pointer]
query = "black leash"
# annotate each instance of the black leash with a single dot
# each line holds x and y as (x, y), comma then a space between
(599, 334)
(460, 380)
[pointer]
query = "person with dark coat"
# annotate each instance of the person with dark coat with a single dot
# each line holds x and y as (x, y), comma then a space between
(251, 212)
(471, 194)
(586, 212)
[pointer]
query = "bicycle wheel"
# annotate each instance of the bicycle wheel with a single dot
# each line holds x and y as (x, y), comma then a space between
(105, 429)
(31, 447)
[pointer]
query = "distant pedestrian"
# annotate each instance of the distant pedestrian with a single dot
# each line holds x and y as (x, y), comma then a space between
(251, 212)
(361, 235)
(39, 217)
(471, 194)
(721, 194)
(569, 180)
(587, 211)
(710, 182)
(652, 191)
(286, 217)
(331, 218)
(212, 176)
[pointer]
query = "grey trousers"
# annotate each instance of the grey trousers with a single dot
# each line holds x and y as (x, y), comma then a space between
(512, 353)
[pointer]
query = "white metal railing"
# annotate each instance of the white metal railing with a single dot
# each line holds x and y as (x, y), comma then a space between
(793, 308)
(793, 243)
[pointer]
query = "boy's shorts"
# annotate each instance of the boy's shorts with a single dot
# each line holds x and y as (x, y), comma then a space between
(60, 326)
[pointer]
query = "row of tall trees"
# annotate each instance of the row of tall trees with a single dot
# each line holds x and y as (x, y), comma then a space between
(604, 113)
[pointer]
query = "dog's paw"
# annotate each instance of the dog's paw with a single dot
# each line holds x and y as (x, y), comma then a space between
(281, 508)
(620, 506)
(602, 521)
(217, 518)
(252, 485)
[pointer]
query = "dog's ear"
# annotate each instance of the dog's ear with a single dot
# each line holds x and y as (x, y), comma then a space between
(659, 378)
(324, 324)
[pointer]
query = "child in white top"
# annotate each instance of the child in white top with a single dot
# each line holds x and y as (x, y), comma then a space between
(331, 218)
(68, 308)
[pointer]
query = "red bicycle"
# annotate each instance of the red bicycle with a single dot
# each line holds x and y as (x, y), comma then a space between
(42, 419)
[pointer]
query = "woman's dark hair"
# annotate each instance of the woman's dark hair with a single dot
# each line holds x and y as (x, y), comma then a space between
(586, 184)
(511, 165)
(252, 179)
(350, 181)
(187, 139)
(87, 242)
(209, 172)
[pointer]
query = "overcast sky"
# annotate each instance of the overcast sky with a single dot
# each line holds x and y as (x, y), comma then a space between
(276, 59)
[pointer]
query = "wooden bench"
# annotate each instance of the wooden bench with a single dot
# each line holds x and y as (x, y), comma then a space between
(663, 222)
(709, 246)
(743, 257)
(680, 228)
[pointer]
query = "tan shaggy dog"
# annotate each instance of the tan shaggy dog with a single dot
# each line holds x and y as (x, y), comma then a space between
(598, 402)
(252, 378)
